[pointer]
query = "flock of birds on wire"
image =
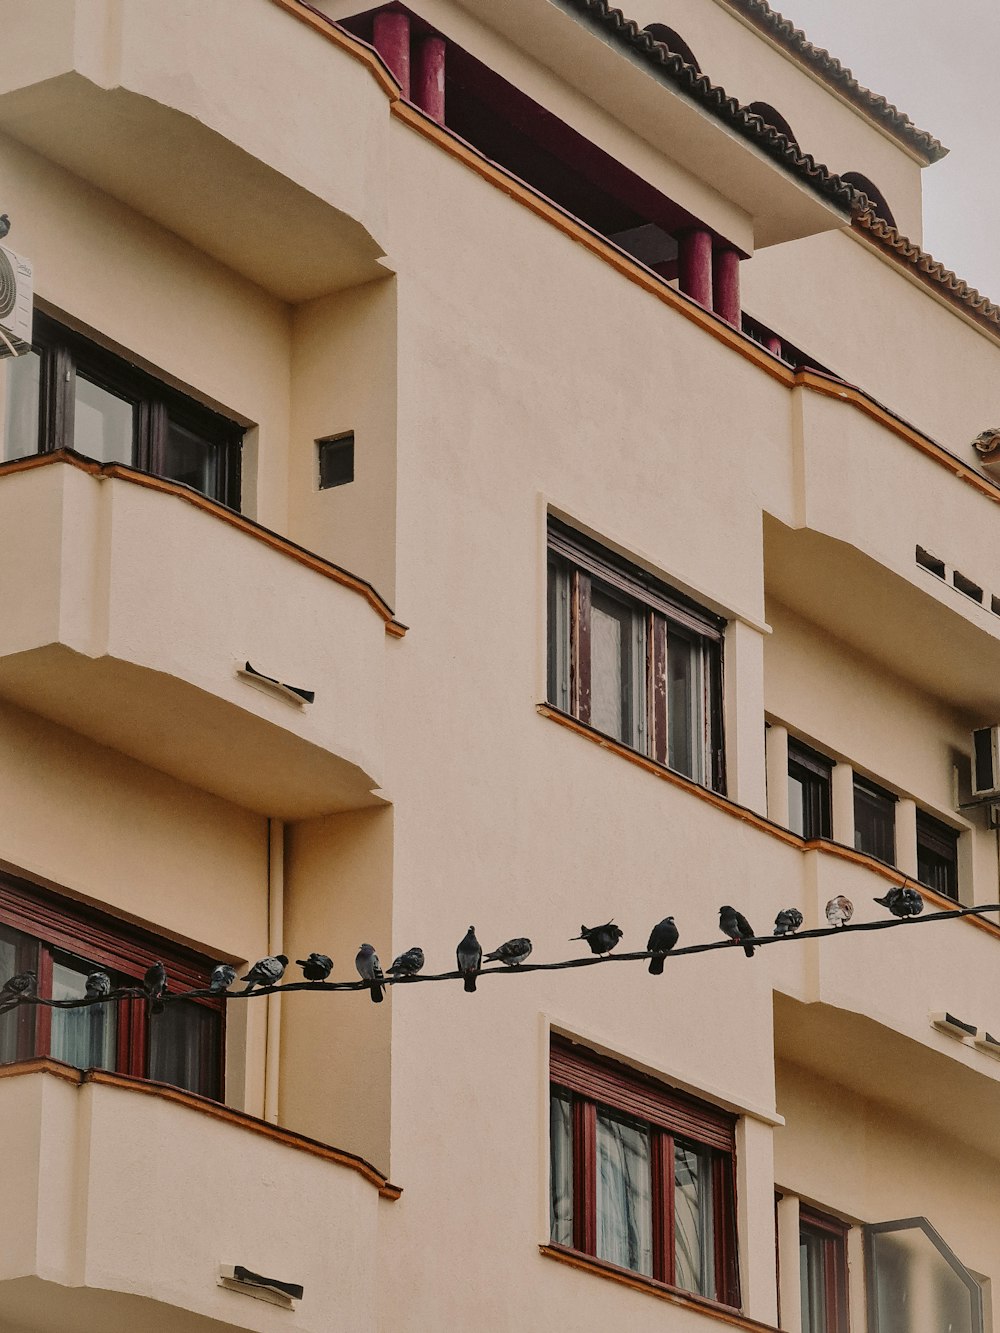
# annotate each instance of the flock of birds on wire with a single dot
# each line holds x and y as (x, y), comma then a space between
(267, 972)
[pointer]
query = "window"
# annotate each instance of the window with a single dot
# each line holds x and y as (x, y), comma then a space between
(641, 1175)
(822, 1272)
(916, 1282)
(937, 855)
(809, 793)
(634, 659)
(68, 393)
(336, 460)
(874, 820)
(63, 942)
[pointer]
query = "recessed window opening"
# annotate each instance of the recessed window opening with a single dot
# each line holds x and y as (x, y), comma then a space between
(966, 586)
(810, 807)
(995, 604)
(336, 460)
(930, 562)
(937, 855)
(874, 820)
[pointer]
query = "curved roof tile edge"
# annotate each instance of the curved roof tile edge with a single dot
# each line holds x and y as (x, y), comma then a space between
(716, 101)
(783, 31)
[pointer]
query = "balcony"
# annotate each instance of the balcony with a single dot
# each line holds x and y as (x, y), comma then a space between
(124, 1198)
(128, 606)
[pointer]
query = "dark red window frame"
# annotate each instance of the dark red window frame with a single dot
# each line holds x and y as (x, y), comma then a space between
(64, 925)
(593, 1080)
(831, 1234)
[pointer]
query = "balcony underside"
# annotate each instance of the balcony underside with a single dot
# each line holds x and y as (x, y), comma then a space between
(31, 1305)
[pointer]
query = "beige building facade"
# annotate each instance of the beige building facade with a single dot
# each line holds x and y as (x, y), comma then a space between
(510, 464)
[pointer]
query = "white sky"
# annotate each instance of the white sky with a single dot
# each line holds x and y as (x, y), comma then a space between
(940, 64)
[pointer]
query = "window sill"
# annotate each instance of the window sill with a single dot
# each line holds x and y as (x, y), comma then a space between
(725, 1314)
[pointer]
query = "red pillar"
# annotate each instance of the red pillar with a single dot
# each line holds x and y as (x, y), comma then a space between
(726, 285)
(773, 344)
(428, 77)
(391, 39)
(695, 266)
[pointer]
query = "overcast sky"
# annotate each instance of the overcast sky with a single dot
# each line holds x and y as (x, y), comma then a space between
(941, 65)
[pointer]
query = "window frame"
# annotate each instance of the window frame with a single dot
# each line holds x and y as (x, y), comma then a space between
(941, 840)
(873, 793)
(815, 773)
(61, 925)
(596, 1081)
(63, 352)
(832, 1235)
(575, 564)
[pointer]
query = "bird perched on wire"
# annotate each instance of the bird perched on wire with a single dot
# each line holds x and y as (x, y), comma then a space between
(154, 983)
(408, 964)
(787, 921)
(266, 971)
(662, 939)
(602, 939)
(513, 952)
(23, 983)
(370, 970)
(97, 985)
(4, 225)
(839, 910)
(223, 976)
(902, 902)
(470, 956)
(317, 967)
(737, 927)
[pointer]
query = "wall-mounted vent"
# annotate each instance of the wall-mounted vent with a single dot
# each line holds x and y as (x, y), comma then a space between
(336, 460)
(967, 586)
(930, 562)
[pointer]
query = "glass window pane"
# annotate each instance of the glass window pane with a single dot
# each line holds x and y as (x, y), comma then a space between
(685, 713)
(624, 1192)
(191, 459)
(86, 1038)
(694, 1222)
(610, 666)
(796, 804)
(184, 1047)
(917, 1288)
(874, 823)
(21, 387)
(558, 635)
(103, 423)
(18, 953)
(561, 1166)
(812, 1284)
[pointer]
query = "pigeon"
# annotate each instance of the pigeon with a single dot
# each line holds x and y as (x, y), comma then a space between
(902, 902)
(470, 956)
(513, 953)
(408, 964)
(737, 927)
(97, 985)
(24, 983)
(266, 972)
(154, 983)
(317, 967)
(839, 910)
(223, 976)
(370, 970)
(4, 225)
(662, 939)
(602, 939)
(787, 921)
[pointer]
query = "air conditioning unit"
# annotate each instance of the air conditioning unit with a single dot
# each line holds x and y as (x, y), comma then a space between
(16, 299)
(986, 761)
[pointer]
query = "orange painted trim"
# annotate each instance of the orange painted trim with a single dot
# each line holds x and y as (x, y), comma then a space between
(747, 816)
(354, 46)
(651, 1287)
(216, 1110)
(120, 472)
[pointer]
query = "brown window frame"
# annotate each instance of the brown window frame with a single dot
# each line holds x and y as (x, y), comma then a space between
(877, 800)
(663, 613)
(63, 925)
(62, 351)
(814, 772)
(941, 841)
(594, 1080)
(831, 1232)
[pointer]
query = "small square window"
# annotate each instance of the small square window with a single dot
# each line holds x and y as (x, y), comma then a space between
(336, 460)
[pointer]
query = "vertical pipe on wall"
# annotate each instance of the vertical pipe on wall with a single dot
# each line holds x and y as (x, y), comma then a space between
(694, 259)
(726, 285)
(428, 77)
(275, 938)
(391, 39)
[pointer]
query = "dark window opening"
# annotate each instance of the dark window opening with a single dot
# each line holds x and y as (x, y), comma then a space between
(937, 855)
(822, 1272)
(874, 820)
(966, 586)
(336, 460)
(64, 942)
(634, 659)
(930, 562)
(70, 393)
(641, 1176)
(810, 807)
